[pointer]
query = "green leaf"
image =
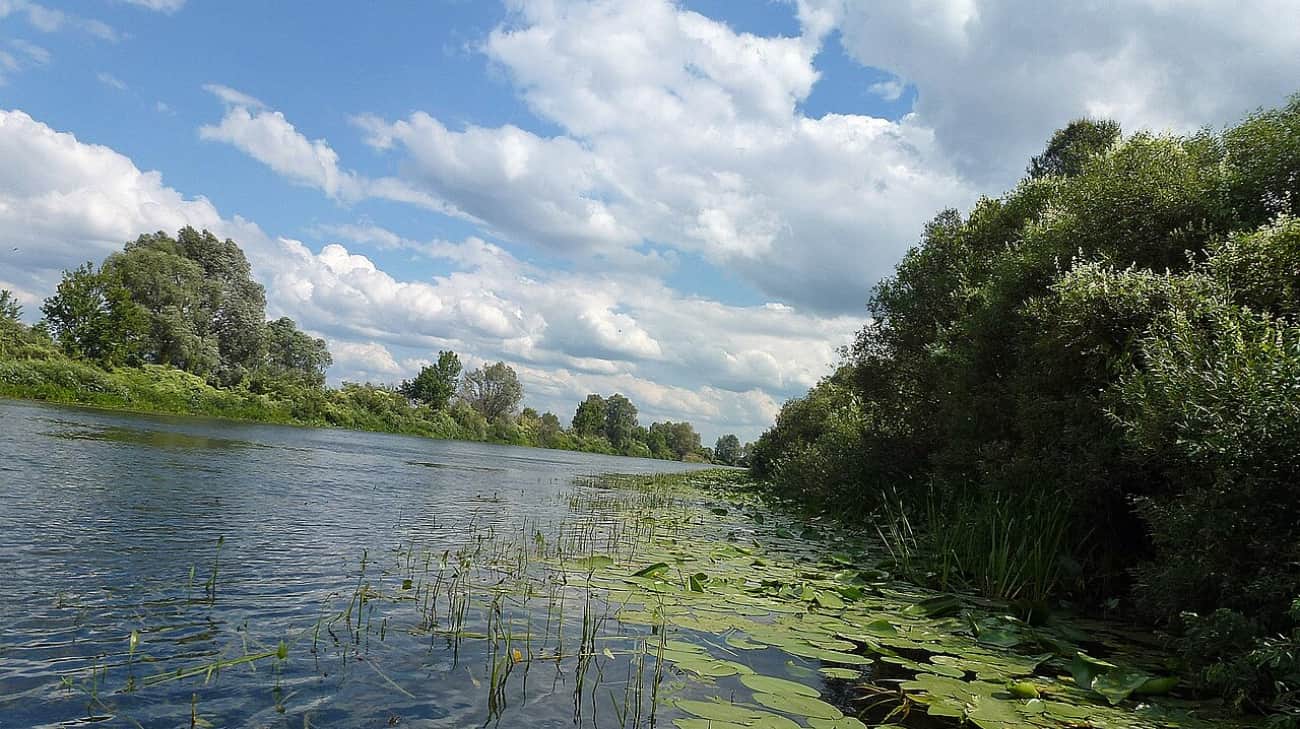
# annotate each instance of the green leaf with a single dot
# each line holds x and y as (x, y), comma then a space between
(653, 570)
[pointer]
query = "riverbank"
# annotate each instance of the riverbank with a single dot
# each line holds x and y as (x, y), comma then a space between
(160, 389)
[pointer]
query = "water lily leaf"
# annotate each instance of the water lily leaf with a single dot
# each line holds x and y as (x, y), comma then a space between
(773, 685)
(698, 723)
(934, 607)
(1157, 686)
(653, 570)
(847, 674)
(844, 722)
(797, 705)
(719, 711)
(594, 562)
(1085, 669)
(1117, 685)
(828, 600)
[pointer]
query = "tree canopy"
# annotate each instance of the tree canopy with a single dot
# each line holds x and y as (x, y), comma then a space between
(1102, 363)
(493, 390)
(435, 384)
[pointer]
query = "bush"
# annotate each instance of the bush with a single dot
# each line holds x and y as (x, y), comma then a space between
(1216, 409)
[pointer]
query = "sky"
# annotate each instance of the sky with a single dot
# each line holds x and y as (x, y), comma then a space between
(685, 202)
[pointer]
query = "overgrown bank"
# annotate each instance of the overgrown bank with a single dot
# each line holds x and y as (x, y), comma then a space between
(1087, 390)
(178, 325)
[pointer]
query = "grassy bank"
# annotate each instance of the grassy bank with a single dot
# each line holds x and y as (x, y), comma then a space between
(52, 377)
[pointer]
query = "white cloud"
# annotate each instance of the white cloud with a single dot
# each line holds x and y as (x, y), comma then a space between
(111, 81)
(36, 54)
(234, 97)
(567, 333)
(996, 77)
(161, 6)
(52, 20)
(369, 359)
(890, 90)
(269, 138)
(681, 133)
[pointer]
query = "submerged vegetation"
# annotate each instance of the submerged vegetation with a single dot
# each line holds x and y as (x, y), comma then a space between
(178, 325)
(1087, 391)
(683, 600)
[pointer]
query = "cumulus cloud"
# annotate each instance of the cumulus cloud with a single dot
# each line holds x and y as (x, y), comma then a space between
(680, 132)
(997, 76)
(683, 132)
(268, 137)
(568, 333)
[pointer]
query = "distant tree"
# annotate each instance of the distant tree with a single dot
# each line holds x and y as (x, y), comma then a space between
(91, 315)
(589, 419)
(656, 439)
(436, 383)
(620, 420)
(727, 450)
(12, 331)
(10, 309)
(288, 350)
(680, 439)
(1070, 148)
(493, 390)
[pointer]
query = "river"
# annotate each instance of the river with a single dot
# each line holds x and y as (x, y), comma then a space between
(104, 516)
(165, 572)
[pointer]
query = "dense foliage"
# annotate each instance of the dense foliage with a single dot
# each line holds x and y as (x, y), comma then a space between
(179, 325)
(1089, 388)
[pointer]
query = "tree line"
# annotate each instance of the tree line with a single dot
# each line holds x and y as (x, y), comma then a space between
(1087, 390)
(178, 323)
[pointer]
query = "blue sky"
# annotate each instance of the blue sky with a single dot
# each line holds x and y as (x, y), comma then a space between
(686, 202)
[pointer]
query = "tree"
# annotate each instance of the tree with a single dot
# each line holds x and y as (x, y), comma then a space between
(1070, 148)
(290, 351)
(435, 384)
(205, 313)
(10, 310)
(589, 419)
(727, 450)
(493, 390)
(239, 303)
(91, 315)
(620, 420)
(680, 439)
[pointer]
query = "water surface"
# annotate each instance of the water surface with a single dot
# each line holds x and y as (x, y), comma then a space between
(112, 523)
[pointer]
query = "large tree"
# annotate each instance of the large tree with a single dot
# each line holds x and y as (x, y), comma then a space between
(589, 419)
(91, 315)
(435, 384)
(620, 420)
(290, 351)
(494, 391)
(205, 313)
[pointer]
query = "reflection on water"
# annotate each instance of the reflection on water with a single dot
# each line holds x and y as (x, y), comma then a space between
(167, 571)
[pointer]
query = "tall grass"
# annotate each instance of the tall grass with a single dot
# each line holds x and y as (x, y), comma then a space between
(1003, 546)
